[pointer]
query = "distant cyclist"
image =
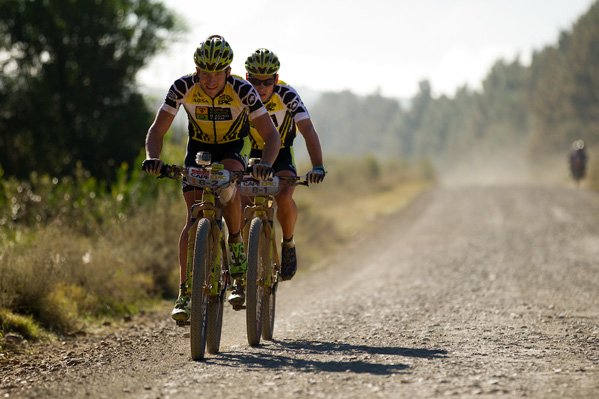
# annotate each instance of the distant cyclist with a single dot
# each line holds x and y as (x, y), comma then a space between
(578, 160)
(218, 107)
(289, 115)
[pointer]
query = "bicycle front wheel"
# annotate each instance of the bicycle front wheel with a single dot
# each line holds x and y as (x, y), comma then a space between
(257, 254)
(270, 295)
(216, 302)
(199, 295)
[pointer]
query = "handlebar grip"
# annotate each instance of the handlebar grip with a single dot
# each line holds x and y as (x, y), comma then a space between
(166, 171)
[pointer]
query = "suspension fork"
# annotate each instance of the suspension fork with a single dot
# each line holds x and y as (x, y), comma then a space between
(191, 240)
(214, 214)
(206, 209)
(265, 210)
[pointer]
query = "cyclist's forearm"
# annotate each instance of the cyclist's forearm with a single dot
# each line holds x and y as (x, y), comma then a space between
(156, 133)
(269, 153)
(315, 151)
(312, 142)
(153, 144)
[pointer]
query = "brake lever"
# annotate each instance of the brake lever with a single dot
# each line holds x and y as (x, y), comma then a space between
(165, 172)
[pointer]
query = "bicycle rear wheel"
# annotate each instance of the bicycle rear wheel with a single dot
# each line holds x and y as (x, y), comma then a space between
(199, 296)
(216, 303)
(257, 254)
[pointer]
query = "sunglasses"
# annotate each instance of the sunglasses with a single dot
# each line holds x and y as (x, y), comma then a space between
(265, 82)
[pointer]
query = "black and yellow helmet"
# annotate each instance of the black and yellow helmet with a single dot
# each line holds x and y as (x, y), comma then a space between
(262, 62)
(214, 54)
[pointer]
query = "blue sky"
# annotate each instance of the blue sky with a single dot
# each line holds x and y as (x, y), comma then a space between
(384, 45)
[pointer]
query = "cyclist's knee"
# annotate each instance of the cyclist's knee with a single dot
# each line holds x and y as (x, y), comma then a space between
(232, 164)
(285, 196)
(227, 195)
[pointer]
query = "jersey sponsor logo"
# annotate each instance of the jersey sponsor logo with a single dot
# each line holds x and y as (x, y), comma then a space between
(198, 99)
(202, 114)
(213, 114)
(171, 95)
(270, 106)
(294, 104)
(252, 99)
(225, 100)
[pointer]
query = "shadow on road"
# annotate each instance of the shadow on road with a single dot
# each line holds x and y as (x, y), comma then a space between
(311, 356)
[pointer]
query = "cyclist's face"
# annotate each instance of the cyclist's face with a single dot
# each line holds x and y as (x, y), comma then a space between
(212, 83)
(264, 84)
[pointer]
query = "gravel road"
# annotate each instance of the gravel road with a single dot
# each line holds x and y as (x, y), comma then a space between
(468, 292)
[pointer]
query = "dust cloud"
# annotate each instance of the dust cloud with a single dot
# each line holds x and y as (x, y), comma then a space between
(505, 168)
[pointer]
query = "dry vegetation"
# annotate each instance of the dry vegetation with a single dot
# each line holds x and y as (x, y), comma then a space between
(103, 252)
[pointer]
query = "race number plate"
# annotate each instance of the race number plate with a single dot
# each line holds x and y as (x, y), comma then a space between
(204, 178)
(251, 187)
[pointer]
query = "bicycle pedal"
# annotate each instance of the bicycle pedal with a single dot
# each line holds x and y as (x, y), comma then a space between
(182, 323)
(239, 307)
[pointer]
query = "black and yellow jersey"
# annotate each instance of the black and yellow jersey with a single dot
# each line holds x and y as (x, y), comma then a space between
(285, 108)
(218, 120)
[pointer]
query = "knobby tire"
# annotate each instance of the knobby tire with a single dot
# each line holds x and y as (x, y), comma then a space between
(270, 296)
(199, 299)
(257, 252)
(216, 304)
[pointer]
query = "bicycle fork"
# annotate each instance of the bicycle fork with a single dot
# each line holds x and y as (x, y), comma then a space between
(206, 209)
(262, 208)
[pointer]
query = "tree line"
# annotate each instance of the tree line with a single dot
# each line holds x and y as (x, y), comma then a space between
(536, 111)
(68, 95)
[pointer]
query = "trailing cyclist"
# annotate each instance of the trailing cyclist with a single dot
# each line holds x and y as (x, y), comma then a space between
(218, 107)
(289, 115)
(578, 160)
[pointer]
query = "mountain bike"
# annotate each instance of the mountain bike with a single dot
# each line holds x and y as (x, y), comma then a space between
(207, 261)
(263, 259)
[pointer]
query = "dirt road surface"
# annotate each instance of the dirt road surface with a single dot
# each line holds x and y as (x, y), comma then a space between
(468, 292)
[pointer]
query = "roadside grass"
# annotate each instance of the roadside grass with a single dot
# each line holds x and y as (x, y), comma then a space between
(74, 254)
(593, 168)
(15, 327)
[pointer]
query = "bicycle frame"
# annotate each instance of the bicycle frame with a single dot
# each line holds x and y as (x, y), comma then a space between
(207, 264)
(263, 207)
(263, 263)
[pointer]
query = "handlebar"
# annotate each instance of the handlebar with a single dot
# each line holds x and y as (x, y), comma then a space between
(208, 176)
(177, 172)
(251, 187)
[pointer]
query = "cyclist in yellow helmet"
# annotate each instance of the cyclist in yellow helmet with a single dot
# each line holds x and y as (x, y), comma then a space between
(218, 107)
(289, 115)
